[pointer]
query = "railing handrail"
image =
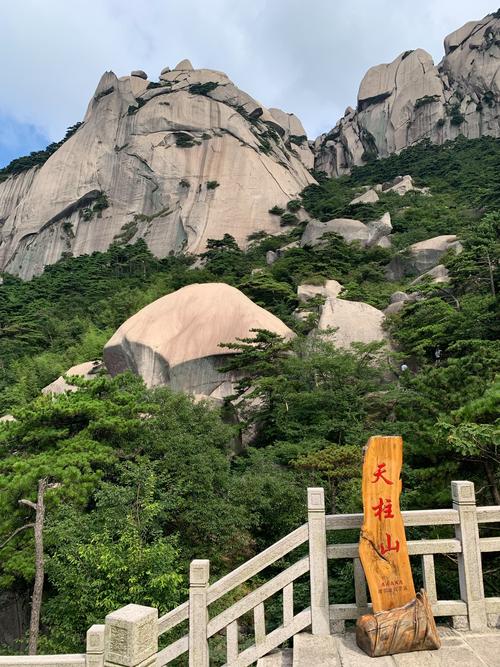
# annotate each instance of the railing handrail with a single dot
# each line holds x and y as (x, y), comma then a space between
(258, 563)
(466, 543)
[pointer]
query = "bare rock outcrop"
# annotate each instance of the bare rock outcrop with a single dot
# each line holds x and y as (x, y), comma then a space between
(439, 274)
(176, 340)
(354, 321)
(422, 256)
(7, 418)
(411, 99)
(330, 288)
(87, 370)
(140, 166)
(370, 234)
(368, 197)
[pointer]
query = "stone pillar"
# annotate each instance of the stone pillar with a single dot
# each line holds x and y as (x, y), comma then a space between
(131, 637)
(318, 564)
(199, 574)
(95, 646)
(469, 560)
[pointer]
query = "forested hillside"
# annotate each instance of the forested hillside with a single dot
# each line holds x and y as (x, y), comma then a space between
(189, 489)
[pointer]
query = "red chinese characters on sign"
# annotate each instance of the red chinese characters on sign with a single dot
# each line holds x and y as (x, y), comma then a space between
(379, 474)
(389, 546)
(383, 508)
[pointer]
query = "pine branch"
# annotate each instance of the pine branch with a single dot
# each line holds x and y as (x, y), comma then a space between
(18, 530)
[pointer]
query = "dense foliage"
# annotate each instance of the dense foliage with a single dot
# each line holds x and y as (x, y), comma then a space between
(149, 480)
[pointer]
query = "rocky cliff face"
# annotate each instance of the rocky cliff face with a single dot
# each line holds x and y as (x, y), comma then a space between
(175, 162)
(411, 99)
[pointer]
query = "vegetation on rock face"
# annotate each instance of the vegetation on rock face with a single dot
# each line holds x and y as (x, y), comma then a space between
(171, 463)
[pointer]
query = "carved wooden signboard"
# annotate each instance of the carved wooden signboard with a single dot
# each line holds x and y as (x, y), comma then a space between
(382, 547)
(402, 621)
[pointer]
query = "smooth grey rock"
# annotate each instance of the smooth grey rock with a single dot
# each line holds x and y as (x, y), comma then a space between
(396, 297)
(368, 197)
(289, 246)
(271, 257)
(87, 370)
(401, 185)
(379, 229)
(422, 256)
(331, 288)
(350, 230)
(176, 340)
(184, 65)
(7, 418)
(439, 274)
(139, 73)
(394, 308)
(354, 321)
(165, 70)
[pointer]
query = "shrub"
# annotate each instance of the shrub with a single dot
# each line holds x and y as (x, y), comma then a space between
(294, 205)
(456, 116)
(426, 99)
(298, 139)
(488, 98)
(276, 210)
(440, 122)
(103, 93)
(100, 204)
(87, 213)
(67, 228)
(288, 219)
(127, 231)
(264, 145)
(184, 140)
(369, 155)
(211, 185)
(202, 88)
(184, 183)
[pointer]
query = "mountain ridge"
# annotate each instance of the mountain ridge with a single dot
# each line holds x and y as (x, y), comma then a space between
(192, 157)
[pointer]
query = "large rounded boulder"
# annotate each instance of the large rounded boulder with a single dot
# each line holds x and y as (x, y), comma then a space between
(176, 340)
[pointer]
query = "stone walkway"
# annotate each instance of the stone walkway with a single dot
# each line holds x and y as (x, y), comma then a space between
(459, 649)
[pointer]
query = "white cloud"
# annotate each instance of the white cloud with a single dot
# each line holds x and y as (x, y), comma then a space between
(306, 57)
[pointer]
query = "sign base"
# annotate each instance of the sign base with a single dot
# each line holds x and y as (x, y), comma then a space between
(399, 630)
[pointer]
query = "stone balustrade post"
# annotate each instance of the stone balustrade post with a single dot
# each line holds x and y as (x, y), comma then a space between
(318, 564)
(469, 560)
(199, 574)
(94, 653)
(131, 637)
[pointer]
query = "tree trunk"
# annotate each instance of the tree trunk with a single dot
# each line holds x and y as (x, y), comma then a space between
(333, 493)
(495, 492)
(490, 271)
(36, 601)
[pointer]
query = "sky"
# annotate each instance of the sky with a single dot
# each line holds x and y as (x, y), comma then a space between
(305, 56)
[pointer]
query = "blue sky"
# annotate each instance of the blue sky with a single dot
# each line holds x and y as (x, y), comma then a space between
(306, 57)
(17, 138)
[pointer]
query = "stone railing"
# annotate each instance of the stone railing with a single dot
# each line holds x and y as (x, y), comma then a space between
(130, 635)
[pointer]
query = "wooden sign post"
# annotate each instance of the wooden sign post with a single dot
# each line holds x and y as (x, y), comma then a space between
(402, 621)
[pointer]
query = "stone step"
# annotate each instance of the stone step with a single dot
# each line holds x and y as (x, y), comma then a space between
(314, 651)
(276, 659)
